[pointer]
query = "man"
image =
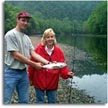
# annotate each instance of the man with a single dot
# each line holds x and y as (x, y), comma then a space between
(19, 48)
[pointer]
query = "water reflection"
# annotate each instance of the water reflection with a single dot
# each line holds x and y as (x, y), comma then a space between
(90, 62)
(95, 85)
(95, 46)
(90, 71)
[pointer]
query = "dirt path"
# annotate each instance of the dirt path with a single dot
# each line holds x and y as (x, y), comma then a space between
(35, 40)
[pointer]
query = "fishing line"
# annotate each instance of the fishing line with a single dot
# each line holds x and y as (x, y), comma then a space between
(73, 68)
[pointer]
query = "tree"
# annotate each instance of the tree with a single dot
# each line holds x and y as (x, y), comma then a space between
(97, 22)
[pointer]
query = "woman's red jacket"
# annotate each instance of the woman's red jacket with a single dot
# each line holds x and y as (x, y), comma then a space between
(47, 79)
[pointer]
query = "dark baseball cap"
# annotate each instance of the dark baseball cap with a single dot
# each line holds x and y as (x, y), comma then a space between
(23, 14)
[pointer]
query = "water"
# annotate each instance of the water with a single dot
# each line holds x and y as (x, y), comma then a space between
(95, 85)
(90, 62)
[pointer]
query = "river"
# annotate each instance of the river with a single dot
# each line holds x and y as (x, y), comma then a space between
(90, 71)
(95, 86)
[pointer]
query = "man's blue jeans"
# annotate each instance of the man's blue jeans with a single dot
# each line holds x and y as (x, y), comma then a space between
(15, 78)
(51, 95)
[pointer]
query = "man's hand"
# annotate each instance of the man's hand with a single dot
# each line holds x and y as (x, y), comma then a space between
(38, 65)
(31, 83)
(70, 74)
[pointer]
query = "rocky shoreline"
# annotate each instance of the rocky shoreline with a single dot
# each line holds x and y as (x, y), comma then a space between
(66, 94)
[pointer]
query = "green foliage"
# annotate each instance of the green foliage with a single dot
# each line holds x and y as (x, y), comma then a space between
(9, 16)
(97, 22)
(64, 17)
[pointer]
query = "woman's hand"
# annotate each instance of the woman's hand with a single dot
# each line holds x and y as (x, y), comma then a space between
(70, 74)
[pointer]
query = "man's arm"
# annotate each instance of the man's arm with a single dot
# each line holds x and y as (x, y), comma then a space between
(18, 56)
(38, 57)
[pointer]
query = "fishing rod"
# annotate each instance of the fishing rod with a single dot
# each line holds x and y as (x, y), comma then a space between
(73, 68)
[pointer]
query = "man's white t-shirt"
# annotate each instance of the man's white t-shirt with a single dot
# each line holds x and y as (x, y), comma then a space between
(17, 41)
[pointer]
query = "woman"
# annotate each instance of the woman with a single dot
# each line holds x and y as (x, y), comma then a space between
(46, 80)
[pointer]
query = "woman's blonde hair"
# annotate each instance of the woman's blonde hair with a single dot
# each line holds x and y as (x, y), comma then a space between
(48, 32)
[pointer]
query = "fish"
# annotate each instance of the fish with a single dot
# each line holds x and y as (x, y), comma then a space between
(56, 65)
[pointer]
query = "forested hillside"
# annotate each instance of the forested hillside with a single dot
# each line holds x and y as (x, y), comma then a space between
(65, 17)
(74, 10)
